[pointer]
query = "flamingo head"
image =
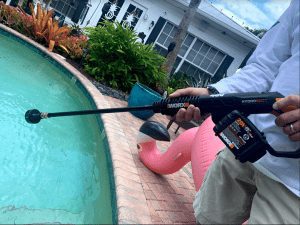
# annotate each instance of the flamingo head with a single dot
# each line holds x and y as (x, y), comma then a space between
(152, 131)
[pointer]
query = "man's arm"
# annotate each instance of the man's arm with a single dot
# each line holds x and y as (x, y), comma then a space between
(261, 69)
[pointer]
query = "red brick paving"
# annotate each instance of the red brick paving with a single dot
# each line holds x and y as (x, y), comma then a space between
(168, 198)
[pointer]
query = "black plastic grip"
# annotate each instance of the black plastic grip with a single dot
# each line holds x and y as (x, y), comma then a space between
(170, 106)
(221, 104)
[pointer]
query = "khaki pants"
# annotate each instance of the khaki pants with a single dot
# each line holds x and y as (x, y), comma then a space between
(233, 192)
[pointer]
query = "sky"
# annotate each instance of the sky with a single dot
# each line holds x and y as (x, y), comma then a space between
(256, 14)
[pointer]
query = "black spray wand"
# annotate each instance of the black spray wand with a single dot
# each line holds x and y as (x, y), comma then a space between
(35, 116)
(217, 105)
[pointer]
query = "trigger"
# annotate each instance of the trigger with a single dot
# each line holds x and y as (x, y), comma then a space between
(216, 118)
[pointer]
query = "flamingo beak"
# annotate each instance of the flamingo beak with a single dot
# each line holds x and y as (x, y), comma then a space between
(151, 131)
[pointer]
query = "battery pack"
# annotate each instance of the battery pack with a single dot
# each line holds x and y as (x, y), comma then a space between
(241, 137)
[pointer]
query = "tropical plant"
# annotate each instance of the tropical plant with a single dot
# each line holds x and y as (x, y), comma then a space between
(117, 59)
(199, 82)
(16, 18)
(74, 46)
(44, 27)
(76, 30)
(177, 81)
(26, 26)
(55, 33)
(40, 21)
(9, 15)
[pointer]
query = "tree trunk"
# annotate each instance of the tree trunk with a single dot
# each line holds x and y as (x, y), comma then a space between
(181, 33)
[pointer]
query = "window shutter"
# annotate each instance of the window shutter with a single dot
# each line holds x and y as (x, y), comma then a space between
(222, 69)
(81, 6)
(156, 30)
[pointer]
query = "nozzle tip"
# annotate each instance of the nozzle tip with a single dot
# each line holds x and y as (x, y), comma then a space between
(33, 116)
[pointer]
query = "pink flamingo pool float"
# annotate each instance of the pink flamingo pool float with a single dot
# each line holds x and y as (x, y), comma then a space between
(198, 145)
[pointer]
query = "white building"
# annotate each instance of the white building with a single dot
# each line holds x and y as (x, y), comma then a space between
(215, 45)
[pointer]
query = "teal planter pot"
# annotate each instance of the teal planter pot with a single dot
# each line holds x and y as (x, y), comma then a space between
(141, 95)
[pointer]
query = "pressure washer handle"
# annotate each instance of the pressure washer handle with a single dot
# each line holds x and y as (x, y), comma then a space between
(218, 105)
(221, 104)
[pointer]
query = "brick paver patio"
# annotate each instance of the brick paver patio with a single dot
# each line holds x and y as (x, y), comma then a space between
(168, 197)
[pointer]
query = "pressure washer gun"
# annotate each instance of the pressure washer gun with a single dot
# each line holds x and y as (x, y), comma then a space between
(229, 113)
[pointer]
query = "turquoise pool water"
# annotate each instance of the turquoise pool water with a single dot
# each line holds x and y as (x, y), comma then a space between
(56, 171)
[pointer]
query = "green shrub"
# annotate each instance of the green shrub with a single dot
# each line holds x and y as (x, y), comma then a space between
(118, 60)
(177, 81)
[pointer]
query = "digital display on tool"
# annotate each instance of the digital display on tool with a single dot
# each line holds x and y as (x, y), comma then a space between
(241, 137)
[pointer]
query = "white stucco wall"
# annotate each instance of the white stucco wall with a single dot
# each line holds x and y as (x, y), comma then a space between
(153, 9)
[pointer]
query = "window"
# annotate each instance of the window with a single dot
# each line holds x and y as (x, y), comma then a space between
(110, 10)
(131, 16)
(161, 50)
(186, 44)
(208, 58)
(65, 7)
(196, 58)
(166, 35)
(198, 78)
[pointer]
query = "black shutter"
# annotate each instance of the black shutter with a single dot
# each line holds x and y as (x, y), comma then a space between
(246, 58)
(81, 6)
(27, 6)
(14, 3)
(156, 30)
(222, 69)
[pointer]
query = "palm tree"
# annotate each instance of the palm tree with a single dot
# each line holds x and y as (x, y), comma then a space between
(181, 33)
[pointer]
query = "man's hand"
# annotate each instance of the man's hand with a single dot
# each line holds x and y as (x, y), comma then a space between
(289, 121)
(191, 112)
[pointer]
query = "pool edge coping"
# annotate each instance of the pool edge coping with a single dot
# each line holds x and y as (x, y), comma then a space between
(125, 191)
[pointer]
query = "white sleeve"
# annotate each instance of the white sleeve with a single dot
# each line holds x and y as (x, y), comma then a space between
(263, 66)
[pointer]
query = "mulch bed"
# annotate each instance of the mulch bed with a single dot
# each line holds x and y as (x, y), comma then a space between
(104, 89)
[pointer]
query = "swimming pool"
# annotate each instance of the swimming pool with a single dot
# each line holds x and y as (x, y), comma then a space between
(57, 171)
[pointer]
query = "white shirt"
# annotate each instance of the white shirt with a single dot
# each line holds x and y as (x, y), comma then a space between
(274, 66)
